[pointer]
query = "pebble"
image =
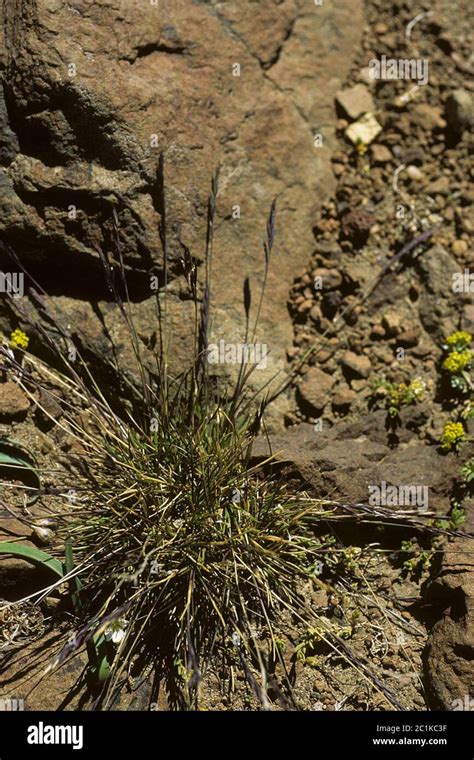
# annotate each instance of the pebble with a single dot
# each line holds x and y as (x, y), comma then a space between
(315, 314)
(305, 305)
(356, 364)
(440, 185)
(459, 247)
(460, 110)
(391, 321)
(427, 116)
(355, 101)
(381, 154)
(364, 131)
(415, 174)
(313, 391)
(343, 398)
(408, 338)
(327, 279)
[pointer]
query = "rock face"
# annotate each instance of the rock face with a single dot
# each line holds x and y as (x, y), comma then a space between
(92, 92)
(449, 662)
(342, 462)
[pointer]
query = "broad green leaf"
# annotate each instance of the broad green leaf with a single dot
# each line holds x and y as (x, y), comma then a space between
(32, 555)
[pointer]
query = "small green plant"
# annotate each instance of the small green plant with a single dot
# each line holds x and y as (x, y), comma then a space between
(467, 471)
(394, 396)
(418, 559)
(455, 519)
(307, 644)
(459, 360)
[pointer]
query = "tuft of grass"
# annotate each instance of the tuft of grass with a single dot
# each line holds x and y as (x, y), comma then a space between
(184, 550)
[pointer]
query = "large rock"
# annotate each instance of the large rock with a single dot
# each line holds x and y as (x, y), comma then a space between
(437, 300)
(344, 461)
(449, 660)
(93, 93)
(14, 402)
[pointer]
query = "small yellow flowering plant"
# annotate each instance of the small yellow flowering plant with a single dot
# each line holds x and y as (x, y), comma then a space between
(18, 339)
(453, 435)
(395, 396)
(459, 360)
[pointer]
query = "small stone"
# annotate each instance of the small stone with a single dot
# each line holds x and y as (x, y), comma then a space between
(364, 131)
(357, 365)
(356, 224)
(343, 398)
(415, 174)
(355, 101)
(460, 110)
(42, 536)
(377, 332)
(315, 314)
(364, 76)
(14, 403)
(381, 28)
(391, 323)
(381, 154)
(459, 247)
(313, 391)
(408, 338)
(341, 125)
(327, 279)
(440, 186)
(427, 116)
(305, 306)
(414, 155)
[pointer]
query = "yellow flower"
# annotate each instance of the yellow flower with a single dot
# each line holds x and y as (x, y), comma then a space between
(457, 361)
(18, 339)
(453, 434)
(460, 339)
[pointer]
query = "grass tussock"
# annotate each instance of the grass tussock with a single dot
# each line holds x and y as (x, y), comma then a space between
(178, 549)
